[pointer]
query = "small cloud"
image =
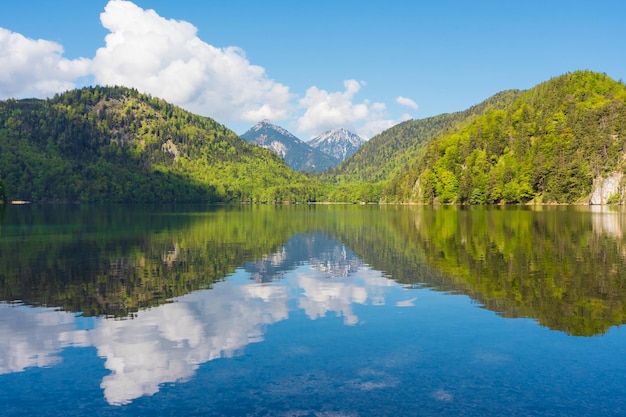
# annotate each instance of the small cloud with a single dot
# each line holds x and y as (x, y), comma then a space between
(406, 102)
(35, 68)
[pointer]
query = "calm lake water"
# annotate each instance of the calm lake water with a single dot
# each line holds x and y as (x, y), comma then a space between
(312, 311)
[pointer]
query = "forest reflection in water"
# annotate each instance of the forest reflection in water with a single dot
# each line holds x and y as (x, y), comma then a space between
(159, 291)
(562, 266)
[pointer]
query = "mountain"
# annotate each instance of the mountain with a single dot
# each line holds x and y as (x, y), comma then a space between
(554, 143)
(114, 144)
(338, 143)
(298, 154)
(562, 141)
(322, 252)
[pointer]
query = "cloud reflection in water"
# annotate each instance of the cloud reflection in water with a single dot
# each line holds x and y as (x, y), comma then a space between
(168, 343)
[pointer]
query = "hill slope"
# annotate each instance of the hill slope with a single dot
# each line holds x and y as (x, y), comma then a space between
(113, 144)
(547, 146)
(298, 154)
(387, 153)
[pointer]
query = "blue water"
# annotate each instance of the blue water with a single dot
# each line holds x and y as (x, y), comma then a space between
(308, 344)
(286, 311)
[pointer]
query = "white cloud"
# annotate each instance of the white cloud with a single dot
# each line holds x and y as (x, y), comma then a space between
(375, 126)
(326, 111)
(406, 102)
(33, 337)
(164, 57)
(35, 68)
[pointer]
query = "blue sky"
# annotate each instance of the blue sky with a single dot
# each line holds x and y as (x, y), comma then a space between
(308, 66)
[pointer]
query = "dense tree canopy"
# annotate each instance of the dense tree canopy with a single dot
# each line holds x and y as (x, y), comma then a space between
(3, 193)
(547, 146)
(114, 144)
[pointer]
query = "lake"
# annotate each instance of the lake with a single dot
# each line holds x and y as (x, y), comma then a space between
(318, 310)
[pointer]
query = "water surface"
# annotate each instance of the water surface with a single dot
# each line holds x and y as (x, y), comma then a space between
(312, 310)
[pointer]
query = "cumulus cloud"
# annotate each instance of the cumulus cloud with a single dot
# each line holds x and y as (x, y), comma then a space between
(35, 68)
(377, 125)
(406, 102)
(164, 57)
(326, 111)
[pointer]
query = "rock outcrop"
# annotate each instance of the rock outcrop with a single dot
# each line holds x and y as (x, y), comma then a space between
(609, 189)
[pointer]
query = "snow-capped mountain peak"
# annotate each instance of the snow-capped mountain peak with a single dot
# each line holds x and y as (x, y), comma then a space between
(338, 143)
(265, 124)
(298, 154)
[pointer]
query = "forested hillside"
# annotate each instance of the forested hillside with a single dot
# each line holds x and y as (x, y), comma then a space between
(113, 144)
(389, 151)
(547, 146)
(363, 176)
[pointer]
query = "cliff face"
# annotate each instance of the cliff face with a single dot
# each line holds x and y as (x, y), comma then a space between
(607, 190)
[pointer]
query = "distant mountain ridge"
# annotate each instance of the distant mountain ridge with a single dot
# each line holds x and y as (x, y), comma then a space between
(338, 143)
(298, 154)
(278, 141)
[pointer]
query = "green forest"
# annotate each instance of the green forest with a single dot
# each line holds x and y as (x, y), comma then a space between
(113, 144)
(546, 146)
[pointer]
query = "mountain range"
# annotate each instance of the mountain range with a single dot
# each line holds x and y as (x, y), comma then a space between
(298, 155)
(562, 141)
(321, 153)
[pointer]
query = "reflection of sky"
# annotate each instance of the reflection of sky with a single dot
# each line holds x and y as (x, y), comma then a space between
(168, 343)
(33, 336)
(322, 295)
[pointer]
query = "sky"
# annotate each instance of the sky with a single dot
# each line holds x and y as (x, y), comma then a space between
(308, 66)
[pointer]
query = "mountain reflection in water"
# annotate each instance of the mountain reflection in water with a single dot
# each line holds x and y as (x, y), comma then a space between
(168, 343)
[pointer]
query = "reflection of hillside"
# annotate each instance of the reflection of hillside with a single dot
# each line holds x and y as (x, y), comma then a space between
(317, 249)
(608, 220)
(561, 266)
(116, 260)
